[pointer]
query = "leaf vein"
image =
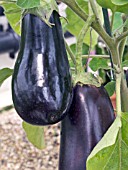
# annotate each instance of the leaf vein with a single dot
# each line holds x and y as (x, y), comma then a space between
(110, 156)
(124, 143)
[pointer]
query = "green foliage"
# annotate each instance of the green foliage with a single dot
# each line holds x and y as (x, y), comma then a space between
(106, 4)
(79, 43)
(125, 63)
(75, 23)
(120, 2)
(85, 50)
(102, 74)
(99, 63)
(35, 135)
(28, 4)
(84, 5)
(13, 14)
(125, 57)
(117, 22)
(47, 7)
(88, 78)
(4, 74)
(112, 151)
(110, 87)
(63, 23)
(115, 7)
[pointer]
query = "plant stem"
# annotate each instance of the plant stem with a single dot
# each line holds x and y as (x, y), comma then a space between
(94, 9)
(118, 94)
(96, 25)
(113, 46)
(112, 20)
(79, 44)
(70, 53)
(122, 43)
(115, 55)
(110, 42)
(124, 88)
(122, 36)
(96, 56)
(124, 94)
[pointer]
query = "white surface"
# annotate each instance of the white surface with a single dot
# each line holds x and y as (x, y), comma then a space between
(4, 22)
(5, 61)
(5, 89)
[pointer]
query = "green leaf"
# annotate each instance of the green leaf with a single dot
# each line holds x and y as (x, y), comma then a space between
(112, 151)
(84, 5)
(49, 7)
(114, 7)
(35, 135)
(124, 131)
(64, 24)
(98, 63)
(122, 8)
(110, 87)
(125, 57)
(28, 3)
(76, 23)
(120, 2)
(125, 63)
(118, 23)
(4, 74)
(13, 14)
(105, 151)
(85, 48)
(44, 11)
(107, 4)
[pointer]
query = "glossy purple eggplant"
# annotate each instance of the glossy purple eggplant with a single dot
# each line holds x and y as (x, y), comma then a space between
(41, 83)
(89, 117)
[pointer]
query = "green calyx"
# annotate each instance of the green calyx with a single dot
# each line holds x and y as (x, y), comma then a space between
(88, 78)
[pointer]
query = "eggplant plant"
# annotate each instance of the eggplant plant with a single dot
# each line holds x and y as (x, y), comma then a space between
(92, 138)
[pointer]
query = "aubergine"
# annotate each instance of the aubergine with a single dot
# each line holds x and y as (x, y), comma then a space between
(41, 82)
(126, 74)
(90, 115)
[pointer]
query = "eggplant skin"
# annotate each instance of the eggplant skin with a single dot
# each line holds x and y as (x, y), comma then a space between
(41, 82)
(90, 115)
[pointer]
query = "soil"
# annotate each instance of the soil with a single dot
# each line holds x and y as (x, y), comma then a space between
(17, 153)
